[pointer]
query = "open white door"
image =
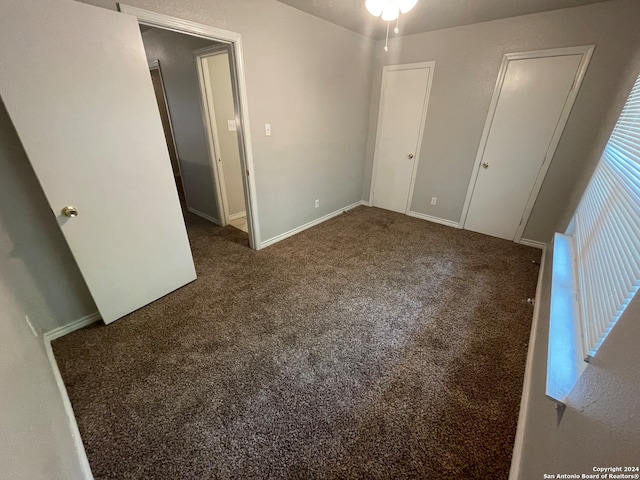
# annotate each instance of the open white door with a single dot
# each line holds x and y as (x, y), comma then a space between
(75, 82)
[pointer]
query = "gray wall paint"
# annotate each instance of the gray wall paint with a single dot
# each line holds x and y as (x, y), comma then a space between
(36, 441)
(308, 78)
(175, 52)
(38, 278)
(601, 425)
(36, 264)
(467, 63)
(311, 80)
(220, 81)
(316, 94)
(313, 134)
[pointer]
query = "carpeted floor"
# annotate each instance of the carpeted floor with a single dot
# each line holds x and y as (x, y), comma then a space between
(373, 346)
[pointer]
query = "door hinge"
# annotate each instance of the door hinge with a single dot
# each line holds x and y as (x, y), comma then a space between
(520, 221)
(247, 172)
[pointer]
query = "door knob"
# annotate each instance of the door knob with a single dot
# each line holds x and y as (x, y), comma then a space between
(485, 165)
(70, 211)
(410, 156)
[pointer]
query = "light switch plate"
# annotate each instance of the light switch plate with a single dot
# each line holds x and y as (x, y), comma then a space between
(231, 125)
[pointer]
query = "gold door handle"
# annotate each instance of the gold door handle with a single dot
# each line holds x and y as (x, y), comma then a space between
(410, 156)
(485, 165)
(70, 211)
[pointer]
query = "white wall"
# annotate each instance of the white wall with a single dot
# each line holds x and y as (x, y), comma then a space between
(175, 52)
(467, 64)
(311, 80)
(220, 81)
(601, 425)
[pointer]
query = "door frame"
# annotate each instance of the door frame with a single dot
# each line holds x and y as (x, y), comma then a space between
(392, 68)
(586, 51)
(155, 65)
(234, 40)
(211, 126)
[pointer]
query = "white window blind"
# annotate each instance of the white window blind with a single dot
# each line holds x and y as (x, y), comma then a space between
(607, 230)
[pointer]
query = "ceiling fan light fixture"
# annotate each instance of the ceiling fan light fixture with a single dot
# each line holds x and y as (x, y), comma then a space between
(375, 7)
(406, 5)
(391, 11)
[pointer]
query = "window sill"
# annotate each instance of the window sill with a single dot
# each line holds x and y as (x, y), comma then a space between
(565, 362)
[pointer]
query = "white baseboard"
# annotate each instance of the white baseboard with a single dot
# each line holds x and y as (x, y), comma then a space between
(533, 243)
(71, 418)
(442, 221)
(365, 203)
(313, 223)
(516, 458)
(236, 216)
(203, 215)
(51, 335)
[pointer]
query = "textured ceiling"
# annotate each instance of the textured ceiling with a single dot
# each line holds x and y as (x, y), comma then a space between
(427, 14)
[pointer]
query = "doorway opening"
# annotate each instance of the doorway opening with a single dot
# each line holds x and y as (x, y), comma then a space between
(216, 89)
(202, 77)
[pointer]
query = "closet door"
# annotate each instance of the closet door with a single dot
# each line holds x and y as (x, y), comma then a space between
(403, 106)
(524, 127)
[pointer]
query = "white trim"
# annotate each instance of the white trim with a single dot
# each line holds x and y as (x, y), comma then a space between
(71, 418)
(56, 333)
(167, 22)
(533, 243)
(528, 377)
(204, 215)
(236, 216)
(586, 52)
(393, 68)
(565, 359)
(310, 224)
(442, 221)
(207, 109)
(425, 106)
(155, 65)
(211, 50)
(365, 203)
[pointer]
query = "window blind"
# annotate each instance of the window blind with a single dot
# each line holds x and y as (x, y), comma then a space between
(607, 230)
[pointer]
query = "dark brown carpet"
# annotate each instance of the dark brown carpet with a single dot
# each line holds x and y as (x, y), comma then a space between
(373, 346)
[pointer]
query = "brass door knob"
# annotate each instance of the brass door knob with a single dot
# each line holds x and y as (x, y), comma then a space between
(485, 165)
(70, 211)
(410, 156)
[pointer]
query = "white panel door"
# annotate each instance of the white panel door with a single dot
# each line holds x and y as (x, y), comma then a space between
(533, 97)
(403, 103)
(75, 81)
